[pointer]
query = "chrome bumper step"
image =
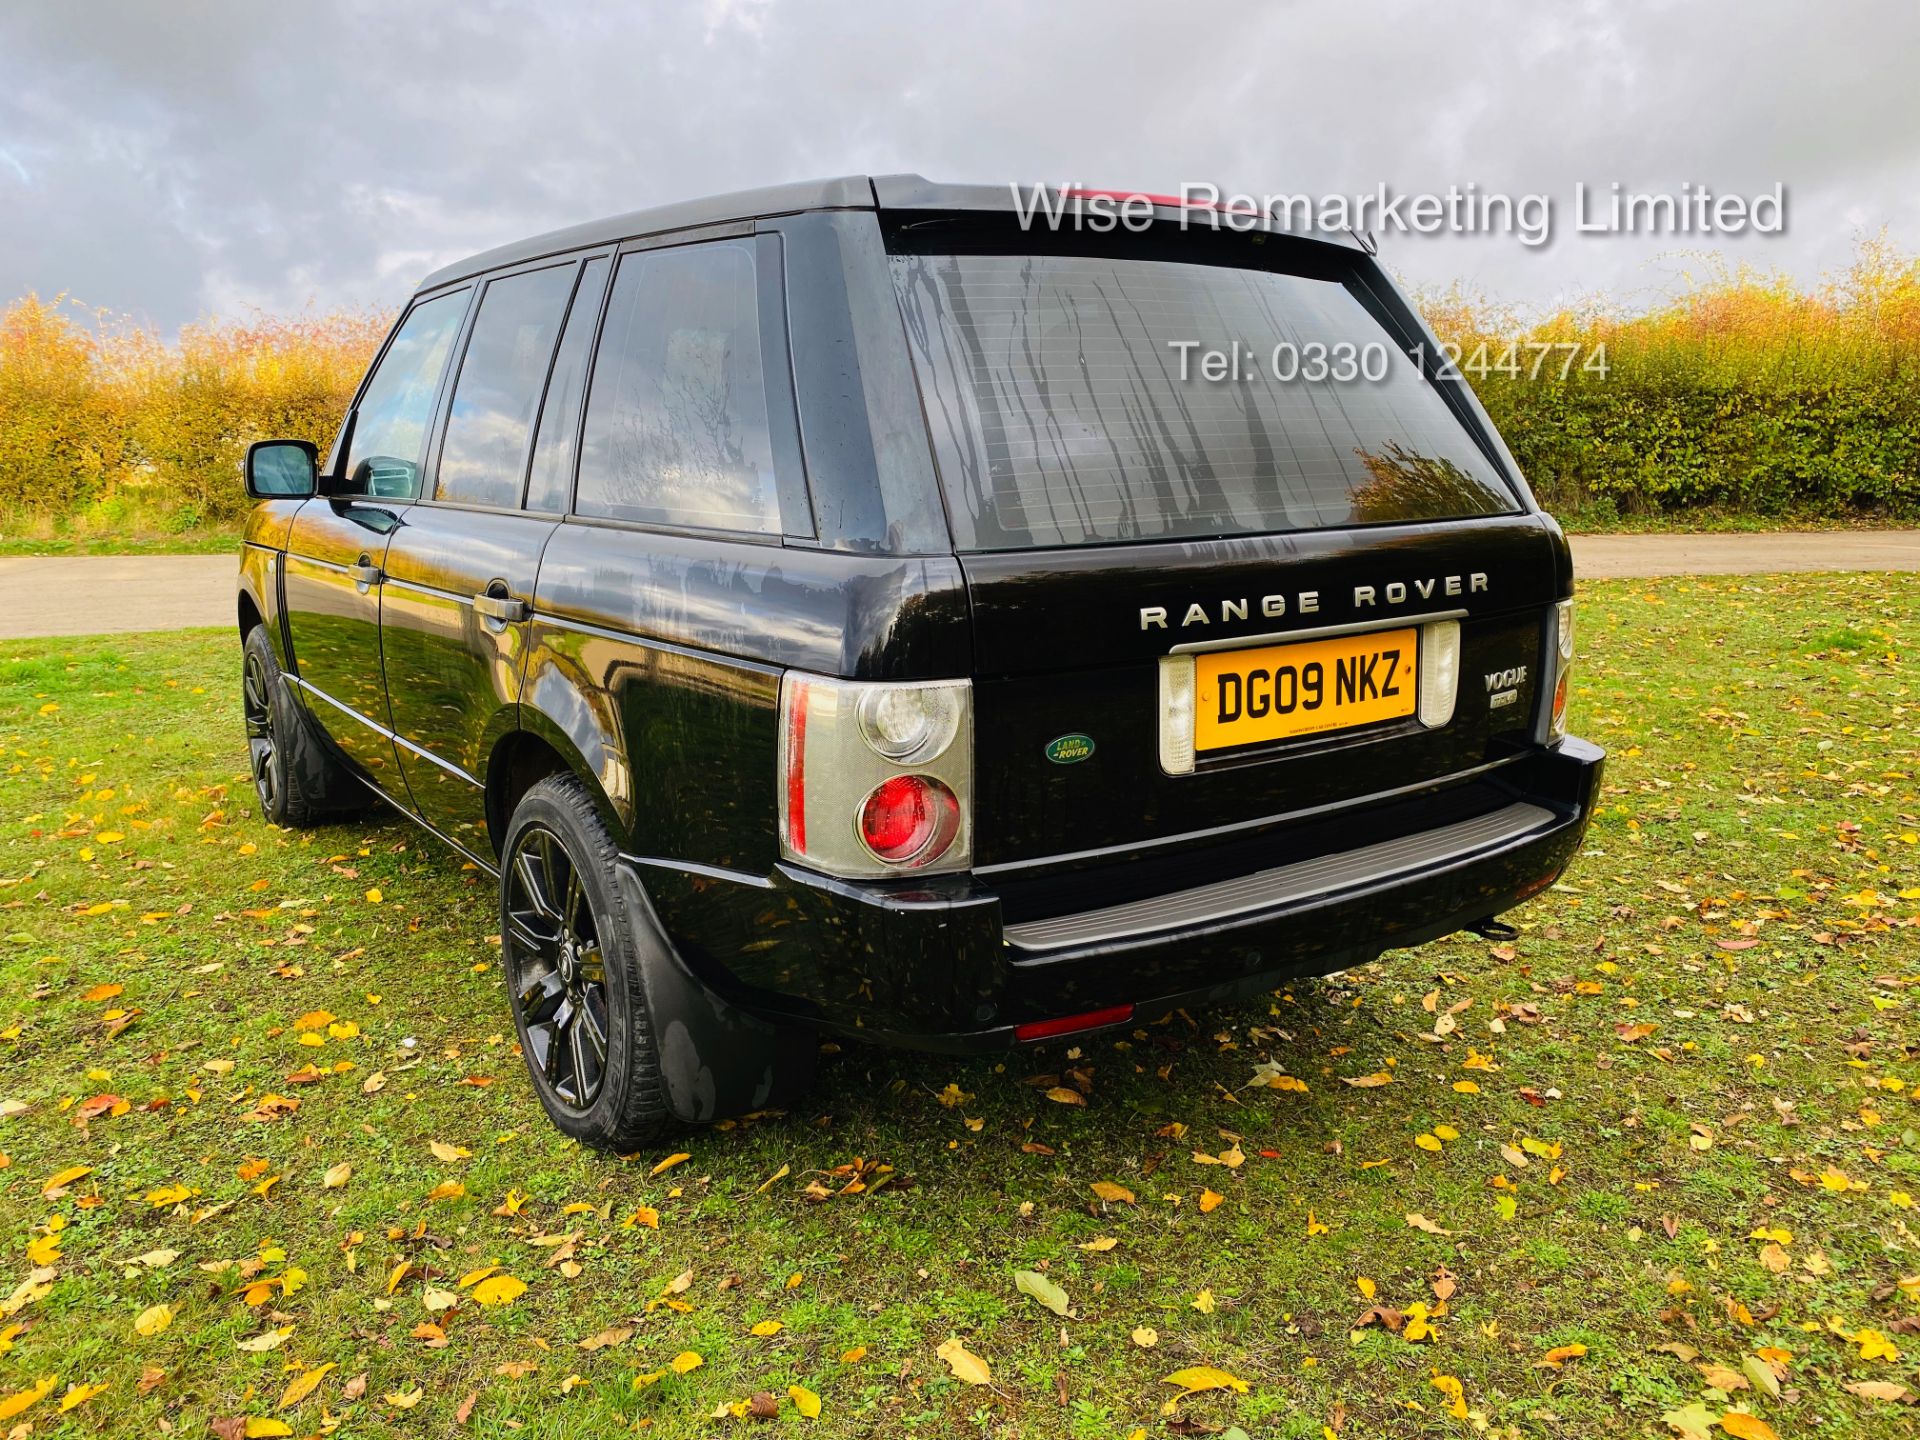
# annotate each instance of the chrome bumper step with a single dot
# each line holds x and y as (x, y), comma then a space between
(1285, 884)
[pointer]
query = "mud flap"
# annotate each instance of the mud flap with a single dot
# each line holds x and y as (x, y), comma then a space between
(716, 1060)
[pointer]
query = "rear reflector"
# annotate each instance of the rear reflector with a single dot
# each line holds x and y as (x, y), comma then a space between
(1073, 1024)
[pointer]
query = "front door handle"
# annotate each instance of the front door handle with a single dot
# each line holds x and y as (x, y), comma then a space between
(507, 609)
(364, 575)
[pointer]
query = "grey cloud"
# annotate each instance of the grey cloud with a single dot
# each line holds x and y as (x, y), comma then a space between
(179, 159)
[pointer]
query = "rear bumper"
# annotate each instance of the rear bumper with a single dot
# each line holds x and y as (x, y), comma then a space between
(960, 964)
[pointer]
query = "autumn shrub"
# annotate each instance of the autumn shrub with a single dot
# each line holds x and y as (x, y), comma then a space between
(102, 419)
(60, 435)
(1742, 393)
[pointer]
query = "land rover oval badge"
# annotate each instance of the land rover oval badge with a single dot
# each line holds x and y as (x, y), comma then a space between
(1069, 749)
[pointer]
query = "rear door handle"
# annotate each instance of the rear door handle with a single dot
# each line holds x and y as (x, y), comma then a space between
(364, 575)
(504, 608)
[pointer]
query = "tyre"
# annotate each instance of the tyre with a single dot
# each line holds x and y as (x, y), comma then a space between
(573, 957)
(296, 775)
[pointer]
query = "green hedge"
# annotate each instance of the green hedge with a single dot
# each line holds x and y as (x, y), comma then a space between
(1743, 394)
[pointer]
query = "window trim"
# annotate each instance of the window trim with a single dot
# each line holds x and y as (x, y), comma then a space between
(609, 254)
(792, 486)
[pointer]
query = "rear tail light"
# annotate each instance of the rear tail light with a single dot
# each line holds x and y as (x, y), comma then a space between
(876, 779)
(1439, 671)
(1562, 668)
(1176, 714)
(908, 816)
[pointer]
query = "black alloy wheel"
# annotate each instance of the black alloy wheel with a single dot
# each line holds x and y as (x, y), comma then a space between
(556, 968)
(256, 687)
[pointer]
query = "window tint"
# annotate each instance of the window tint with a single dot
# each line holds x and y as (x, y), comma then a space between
(390, 427)
(552, 476)
(676, 429)
(483, 459)
(1061, 417)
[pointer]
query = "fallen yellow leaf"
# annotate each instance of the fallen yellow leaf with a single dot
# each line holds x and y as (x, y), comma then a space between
(1450, 1387)
(20, 1400)
(301, 1386)
(1196, 1378)
(64, 1178)
(499, 1290)
(153, 1319)
(79, 1395)
(967, 1367)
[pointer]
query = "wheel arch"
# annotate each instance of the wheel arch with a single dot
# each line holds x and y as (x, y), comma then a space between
(258, 603)
(250, 616)
(522, 758)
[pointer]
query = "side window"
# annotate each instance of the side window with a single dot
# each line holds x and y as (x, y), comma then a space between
(676, 430)
(390, 427)
(483, 458)
(552, 474)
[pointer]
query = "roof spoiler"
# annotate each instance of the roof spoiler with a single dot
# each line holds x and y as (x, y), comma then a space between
(916, 192)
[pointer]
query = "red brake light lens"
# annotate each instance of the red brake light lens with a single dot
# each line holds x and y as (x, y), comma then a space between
(909, 819)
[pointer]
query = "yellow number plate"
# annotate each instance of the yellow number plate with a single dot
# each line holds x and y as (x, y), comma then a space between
(1245, 697)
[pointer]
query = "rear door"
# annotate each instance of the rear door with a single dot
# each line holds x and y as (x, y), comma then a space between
(337, 544)
(1232, 553)
(461, 566)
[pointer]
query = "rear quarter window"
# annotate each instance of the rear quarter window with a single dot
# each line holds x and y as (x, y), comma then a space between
(676, 428)
(1060, 414)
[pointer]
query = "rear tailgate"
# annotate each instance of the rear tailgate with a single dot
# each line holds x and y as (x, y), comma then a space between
(1062, 649)
(1117, 498)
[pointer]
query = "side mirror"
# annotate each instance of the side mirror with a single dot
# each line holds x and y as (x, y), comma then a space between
(282, 469)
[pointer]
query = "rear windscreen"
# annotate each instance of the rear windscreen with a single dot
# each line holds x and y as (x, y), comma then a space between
(1061, 413)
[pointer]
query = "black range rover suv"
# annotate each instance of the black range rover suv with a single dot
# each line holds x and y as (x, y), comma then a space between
(846, 608)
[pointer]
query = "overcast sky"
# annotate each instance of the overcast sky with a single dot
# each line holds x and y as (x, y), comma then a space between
(176, 160)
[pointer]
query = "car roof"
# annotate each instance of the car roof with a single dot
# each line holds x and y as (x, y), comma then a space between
(845, 192)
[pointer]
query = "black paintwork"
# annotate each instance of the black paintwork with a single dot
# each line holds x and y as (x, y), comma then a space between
(648, 663)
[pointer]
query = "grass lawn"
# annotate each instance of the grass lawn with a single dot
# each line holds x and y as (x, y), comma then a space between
(124, 542)
(1656, 1156)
